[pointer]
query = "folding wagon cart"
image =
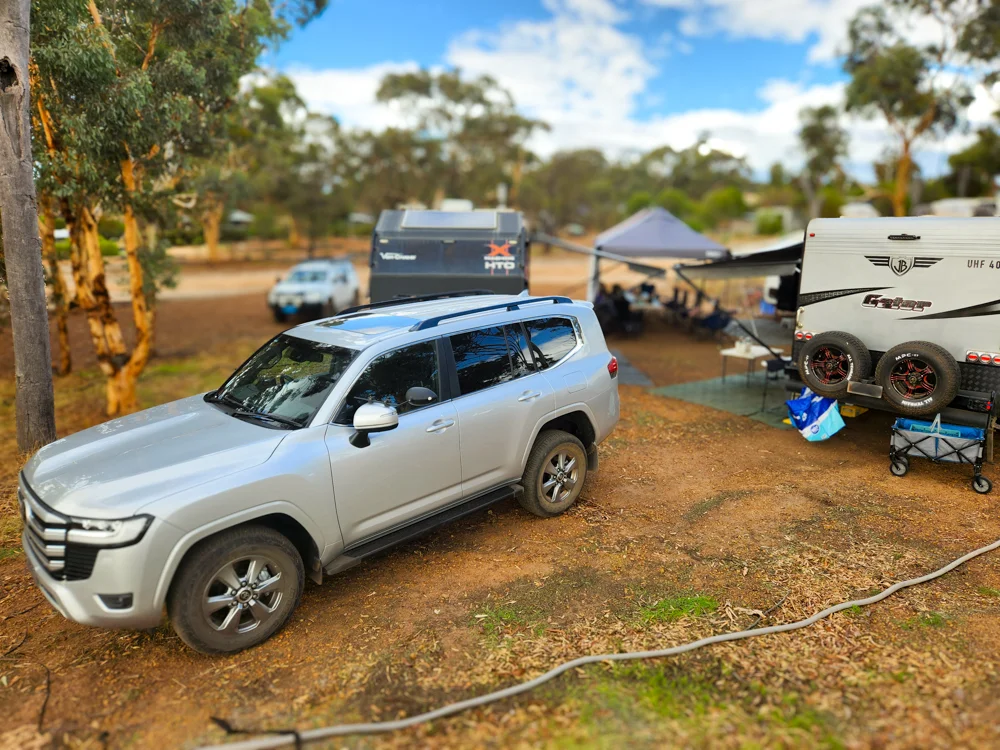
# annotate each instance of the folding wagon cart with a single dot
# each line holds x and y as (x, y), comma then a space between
(942, 443)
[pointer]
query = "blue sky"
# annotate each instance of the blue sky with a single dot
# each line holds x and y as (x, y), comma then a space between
(620, 75)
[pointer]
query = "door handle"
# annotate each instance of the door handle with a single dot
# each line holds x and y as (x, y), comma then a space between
(529, 395)
(441, 425)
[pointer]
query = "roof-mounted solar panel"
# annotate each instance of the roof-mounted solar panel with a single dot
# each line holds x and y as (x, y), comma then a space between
(414, 219)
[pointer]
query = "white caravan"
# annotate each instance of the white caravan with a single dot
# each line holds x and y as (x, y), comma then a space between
(903, 309)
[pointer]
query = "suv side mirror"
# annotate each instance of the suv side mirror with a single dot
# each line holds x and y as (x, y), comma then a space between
(420, 396)
(370, 418)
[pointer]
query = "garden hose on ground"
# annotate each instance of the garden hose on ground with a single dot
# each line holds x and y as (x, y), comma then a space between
(283, 738)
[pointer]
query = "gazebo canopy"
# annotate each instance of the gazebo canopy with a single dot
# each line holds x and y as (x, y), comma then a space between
(656, 233)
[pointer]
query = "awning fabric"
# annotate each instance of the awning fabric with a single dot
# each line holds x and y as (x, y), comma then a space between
(777, 262)
(656, 233)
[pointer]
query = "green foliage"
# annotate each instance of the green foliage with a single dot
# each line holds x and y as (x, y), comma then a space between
(723, 204)
(676, 202)
(987, 591)
(674, 608)
(769, 222)
(113, 229)
(831, 201)
(109, 248)
(637, 202)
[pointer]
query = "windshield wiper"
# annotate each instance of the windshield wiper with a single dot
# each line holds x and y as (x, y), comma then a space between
(270, 417)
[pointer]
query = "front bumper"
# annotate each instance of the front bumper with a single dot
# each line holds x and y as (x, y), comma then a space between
(124, 570)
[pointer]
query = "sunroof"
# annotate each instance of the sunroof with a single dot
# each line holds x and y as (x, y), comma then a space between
(450, 219)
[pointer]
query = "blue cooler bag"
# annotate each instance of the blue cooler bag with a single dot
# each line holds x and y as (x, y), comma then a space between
(815, 417)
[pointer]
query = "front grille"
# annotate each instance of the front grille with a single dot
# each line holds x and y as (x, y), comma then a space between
(46, 535)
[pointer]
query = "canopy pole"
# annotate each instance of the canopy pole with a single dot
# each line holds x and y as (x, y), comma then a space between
(595, 277)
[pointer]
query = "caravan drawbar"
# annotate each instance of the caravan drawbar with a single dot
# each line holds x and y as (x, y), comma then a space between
(902, 309)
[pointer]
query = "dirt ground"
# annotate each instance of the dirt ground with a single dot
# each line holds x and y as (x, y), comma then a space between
(698, 522)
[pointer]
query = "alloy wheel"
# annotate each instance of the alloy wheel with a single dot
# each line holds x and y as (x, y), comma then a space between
(559, 477)
(244, 594)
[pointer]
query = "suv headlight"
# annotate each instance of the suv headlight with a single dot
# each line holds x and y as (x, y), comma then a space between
(99, 532)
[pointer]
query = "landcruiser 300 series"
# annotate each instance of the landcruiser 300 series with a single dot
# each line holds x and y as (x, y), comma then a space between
(334, 441)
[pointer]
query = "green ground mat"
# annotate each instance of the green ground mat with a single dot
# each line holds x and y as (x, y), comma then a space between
(736, 396)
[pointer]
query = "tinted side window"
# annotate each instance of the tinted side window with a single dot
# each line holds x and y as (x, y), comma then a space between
(481, 359)
(551, 339)
(389, 376)
(520, 352)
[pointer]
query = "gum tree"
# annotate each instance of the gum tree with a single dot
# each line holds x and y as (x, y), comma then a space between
(131, 86)
(824, 143)
(34, 408)
(914, 89)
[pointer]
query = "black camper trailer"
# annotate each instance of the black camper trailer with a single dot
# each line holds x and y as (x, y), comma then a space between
(418, 252)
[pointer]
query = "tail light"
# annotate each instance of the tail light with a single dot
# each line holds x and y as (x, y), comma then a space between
(613, 367)
(996, 359)
(985, 358)
(972, 356)
(809, 337)
(799, 335)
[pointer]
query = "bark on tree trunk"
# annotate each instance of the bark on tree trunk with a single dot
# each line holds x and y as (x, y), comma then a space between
(211, 227)
(34, 406)
(60, 298)
(121, 389)
(92, 292)
(902, 187)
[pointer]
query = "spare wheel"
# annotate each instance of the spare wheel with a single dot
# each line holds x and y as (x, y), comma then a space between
(831, 360)
(918, 378)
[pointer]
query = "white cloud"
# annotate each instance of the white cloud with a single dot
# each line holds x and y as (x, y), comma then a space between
(349, 94)
(781, 20)
(583, 74)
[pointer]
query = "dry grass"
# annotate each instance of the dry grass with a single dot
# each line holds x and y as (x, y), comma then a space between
(698, 523)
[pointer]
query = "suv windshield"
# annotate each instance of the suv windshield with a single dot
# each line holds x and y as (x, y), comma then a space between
(288, 377)
(304, 275)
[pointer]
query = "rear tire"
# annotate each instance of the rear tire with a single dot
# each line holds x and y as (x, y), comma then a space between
(235, 590)
(328, 309)
(982, 485)
(554, 475)
(830, 361)
(918, 378)
(899, 466)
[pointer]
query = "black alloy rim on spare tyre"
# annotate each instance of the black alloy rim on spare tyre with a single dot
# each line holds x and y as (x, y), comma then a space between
(913, 379)
(831, 365)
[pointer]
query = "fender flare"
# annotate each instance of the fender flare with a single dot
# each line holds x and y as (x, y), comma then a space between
(191, 538)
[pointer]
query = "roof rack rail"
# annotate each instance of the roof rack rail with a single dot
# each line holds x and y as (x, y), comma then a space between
(403, 300)
(510, 306)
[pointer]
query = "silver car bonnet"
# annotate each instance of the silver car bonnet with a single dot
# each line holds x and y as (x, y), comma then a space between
(113, 469)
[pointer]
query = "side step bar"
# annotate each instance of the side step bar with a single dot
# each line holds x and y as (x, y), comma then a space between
(357, 553)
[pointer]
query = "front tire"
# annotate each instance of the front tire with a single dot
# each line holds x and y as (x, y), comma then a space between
(554, 475)
(235, 590)
(918, 378)
(279, 316)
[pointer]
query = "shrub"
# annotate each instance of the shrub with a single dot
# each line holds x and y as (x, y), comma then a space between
(676, 202)
(638, 201)
(113, 229)
(723, 204)
(109, 248)
(769, 222)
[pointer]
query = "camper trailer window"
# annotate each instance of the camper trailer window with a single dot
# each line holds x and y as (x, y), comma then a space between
(450, 220)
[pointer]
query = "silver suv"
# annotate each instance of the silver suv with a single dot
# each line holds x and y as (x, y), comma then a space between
(334, 441)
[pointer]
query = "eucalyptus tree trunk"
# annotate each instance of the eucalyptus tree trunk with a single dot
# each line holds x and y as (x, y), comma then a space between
(60, 297)
(34, 407)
